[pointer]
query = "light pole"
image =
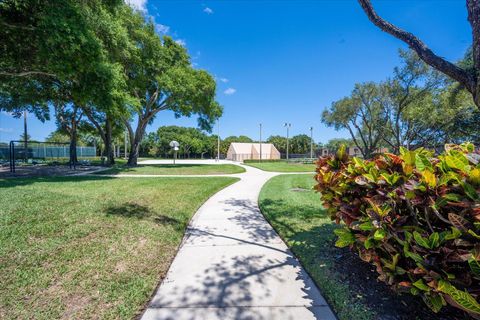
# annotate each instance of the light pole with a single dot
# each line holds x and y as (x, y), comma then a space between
(260, 142)
(311, 142)
(287, 125)
(218, 140)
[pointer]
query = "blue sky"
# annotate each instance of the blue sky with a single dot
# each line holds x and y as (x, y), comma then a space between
(286, 61)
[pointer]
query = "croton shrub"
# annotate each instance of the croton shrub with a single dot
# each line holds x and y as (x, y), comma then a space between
(414, 216)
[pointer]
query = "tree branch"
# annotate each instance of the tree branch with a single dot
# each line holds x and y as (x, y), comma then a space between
(9, 25)
(26, 73)
(421, 48)
(95, 123)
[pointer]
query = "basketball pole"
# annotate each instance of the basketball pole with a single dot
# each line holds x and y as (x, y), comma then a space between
(260, 142)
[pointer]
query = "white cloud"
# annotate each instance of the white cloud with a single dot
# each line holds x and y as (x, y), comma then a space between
(196, 56)
(181, 42)
(207, 10)
(138, 4)
(161, 28)
(224, 80)
(7, 113)
(229, 91)
(6, 130)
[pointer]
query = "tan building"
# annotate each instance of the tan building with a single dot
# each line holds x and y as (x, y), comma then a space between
(243, 151)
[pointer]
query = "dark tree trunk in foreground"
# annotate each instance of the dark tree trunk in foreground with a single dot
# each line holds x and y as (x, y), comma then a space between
(468, 78)
(73, 143)
(69, 120)
(135, 140)
(108, 142)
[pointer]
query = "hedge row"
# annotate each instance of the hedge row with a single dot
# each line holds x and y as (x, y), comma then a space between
(414, 216)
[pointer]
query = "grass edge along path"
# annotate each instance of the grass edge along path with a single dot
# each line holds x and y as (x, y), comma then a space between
(296, 214)
(174, 169)
(282, 166)
(91, 247)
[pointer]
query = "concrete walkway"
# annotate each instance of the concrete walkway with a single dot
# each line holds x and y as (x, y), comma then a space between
(233, 265)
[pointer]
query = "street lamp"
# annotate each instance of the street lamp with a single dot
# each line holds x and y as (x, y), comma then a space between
(260, 142)
(287, 125)
(218, 140)
(311, 142)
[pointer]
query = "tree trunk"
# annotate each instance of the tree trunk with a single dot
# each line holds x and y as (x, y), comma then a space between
(108, 142)
(73, 142)
(106, 134)
(473, 7)
(135, 146)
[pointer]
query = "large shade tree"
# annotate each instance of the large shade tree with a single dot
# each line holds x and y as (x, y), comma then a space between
(191, 140)
(403, 96)
(334, 144)
(280, 142)
(468, 77)
(160, 77)
(417, 107)
(301, 143)
(48, 44)
(362, 115)
(59, 52)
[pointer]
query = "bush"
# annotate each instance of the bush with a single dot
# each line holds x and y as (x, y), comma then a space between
(414, 216)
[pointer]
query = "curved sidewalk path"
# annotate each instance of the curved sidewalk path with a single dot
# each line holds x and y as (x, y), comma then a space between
(233, 265)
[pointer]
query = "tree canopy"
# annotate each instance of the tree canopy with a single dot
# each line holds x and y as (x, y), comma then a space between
(101, 64)
(416, 107)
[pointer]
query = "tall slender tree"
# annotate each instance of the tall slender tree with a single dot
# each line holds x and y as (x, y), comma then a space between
(362, 115)
(413, 85)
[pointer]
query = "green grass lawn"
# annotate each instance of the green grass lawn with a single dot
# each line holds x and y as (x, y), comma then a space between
(283, 166)
(91, 247)
(177, 169)
(94, 161)
(296, 213)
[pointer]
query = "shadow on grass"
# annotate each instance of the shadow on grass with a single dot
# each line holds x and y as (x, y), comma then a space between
(127, 169)
(315, 242)
(134, 210)
(129, 210)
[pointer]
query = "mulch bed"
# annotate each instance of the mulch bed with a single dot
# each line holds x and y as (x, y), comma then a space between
(362, 279)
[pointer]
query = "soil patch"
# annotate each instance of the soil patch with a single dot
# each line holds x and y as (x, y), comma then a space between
(362, 279)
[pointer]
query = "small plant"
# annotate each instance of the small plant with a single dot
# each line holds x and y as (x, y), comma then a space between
(414, 216)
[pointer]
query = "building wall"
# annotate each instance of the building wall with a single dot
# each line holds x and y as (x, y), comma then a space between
(267, 153)
(230, 153)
